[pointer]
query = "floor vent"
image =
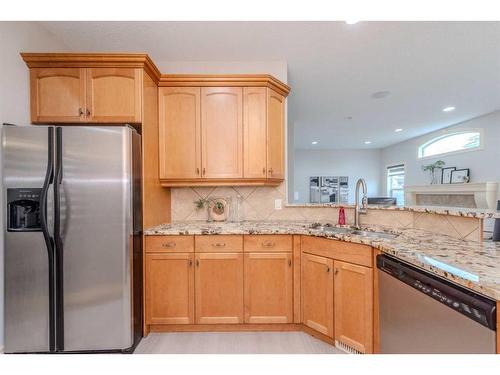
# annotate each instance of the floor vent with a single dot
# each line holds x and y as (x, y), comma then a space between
(346, 348)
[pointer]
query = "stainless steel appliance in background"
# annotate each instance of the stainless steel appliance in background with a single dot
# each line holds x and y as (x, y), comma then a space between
(72, 233)
(423, 314)
(329, 189)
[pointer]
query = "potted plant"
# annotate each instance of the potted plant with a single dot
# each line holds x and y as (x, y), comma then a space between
(434, 170)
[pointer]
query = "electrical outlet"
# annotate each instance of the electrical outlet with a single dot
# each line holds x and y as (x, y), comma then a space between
(277, 204)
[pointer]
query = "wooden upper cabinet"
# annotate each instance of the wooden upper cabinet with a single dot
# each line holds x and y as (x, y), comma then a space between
(180, 132)
(354, 306)
(317, 293)
(169, 288)
(254, 132)
(268, 288)
(114, 95)
(222, 132)
(57, 95)
(219, 288)
(275, 135)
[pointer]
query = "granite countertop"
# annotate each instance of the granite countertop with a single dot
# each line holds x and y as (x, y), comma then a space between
(474, 265)
(480, 213)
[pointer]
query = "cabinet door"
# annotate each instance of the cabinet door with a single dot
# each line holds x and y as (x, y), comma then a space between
(317, 293)
(222, 132)
(354, 306)
(254, 132)
(268, 288)
(114, 95)
(219, 288)
(180, 138)
(169, 289)
(275, 135)
(57, 95)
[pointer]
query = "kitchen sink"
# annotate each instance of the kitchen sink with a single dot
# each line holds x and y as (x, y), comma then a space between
(375, 235)
(337, 230)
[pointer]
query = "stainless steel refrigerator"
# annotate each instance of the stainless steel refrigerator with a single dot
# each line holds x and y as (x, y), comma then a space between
(72, 228)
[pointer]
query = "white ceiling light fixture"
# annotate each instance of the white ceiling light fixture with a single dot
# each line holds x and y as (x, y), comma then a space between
(381, 94)
(314, 142)
(351, 21)
(368, 142)
(398, 130)
(448, 109)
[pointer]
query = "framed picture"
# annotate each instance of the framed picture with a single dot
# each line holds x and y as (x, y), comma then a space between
(446, 175)
(460, 176)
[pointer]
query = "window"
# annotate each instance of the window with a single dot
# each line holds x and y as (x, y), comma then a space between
(396, 183)
(451, 143)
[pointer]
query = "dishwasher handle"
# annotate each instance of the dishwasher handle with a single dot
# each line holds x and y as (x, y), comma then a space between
(464, 301)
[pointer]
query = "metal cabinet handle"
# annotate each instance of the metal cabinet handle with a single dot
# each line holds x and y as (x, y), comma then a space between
(197, 263)
(327, 269)
(268, 243)
(264, 171)
(169, 244)
(289, 262)
(270, 171)
(190, 262)
(80, 112)
(336, 271)
(88, 112)
(197, 171)
(219, 244)
(203, 172)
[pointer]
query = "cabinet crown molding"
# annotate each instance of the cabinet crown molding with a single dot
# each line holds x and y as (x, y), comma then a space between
(214, 80)
(92, 60)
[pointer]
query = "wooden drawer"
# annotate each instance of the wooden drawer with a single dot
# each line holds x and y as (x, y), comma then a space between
(169, 244)
(218, 243)
(335, 249)
(268, 243)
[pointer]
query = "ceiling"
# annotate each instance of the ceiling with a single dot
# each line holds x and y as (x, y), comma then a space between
(334, 68)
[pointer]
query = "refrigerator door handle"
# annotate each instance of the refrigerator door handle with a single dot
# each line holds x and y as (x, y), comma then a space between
(58, 176)
(49, 241)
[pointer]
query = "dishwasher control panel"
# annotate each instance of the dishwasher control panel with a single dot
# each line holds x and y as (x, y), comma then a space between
(466, 302)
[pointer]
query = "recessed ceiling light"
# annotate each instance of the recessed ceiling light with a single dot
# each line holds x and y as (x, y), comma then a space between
(314, 142)
(352, 21)
(348, 118)
(448, 109)
(368, 142)
(381, 94)
(398, 130)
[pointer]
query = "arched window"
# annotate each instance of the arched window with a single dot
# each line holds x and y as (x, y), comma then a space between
(459, 141)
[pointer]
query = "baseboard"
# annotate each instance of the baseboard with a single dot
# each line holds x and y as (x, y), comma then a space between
(277, 327)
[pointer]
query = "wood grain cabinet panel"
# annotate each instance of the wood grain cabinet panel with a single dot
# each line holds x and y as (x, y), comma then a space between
(114, 95)
(222, 132)
(169, 289)
(268, 242)
(219, 243)
(254, 132)
(354, 306)
(268, 288)
(317, 293)
(180, 132)
(57, 95)
(219, 288)
(275, 135)
(169, 244)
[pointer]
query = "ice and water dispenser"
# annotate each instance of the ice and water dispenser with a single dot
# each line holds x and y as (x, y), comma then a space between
(23, 208)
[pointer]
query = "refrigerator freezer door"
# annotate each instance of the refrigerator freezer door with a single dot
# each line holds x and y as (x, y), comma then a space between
(97, 233)
(25, 157)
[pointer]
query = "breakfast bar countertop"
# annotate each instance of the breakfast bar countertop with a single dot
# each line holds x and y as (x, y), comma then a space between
(474, 265)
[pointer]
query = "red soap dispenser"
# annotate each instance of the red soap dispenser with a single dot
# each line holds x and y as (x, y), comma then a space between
(341, 216)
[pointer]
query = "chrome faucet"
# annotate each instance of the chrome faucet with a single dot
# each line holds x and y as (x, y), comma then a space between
(364, 201)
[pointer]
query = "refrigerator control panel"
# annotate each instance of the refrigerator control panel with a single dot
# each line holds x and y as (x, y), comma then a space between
(23, 210)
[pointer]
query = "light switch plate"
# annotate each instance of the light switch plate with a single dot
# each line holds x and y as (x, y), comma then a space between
(277, 204)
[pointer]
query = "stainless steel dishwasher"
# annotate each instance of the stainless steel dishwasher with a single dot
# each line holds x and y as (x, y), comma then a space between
(422, 313)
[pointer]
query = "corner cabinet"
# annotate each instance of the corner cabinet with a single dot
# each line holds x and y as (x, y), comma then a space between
(221, 130)
(86, 95)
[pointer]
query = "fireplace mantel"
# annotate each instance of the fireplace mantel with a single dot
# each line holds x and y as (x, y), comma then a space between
(485, 193)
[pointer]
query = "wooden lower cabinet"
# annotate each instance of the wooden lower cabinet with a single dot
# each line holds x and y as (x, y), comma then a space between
(354, 306)
(169, 288)
(219, 288)
(317, 293)
(268, 287)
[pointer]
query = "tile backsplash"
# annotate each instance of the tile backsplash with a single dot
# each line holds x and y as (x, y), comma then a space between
(258, 204)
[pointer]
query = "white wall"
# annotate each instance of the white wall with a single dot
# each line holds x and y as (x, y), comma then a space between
(483, 164)
(18, 37)
(353, 163)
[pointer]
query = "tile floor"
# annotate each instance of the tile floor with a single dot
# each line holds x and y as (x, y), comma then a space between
(234, 343)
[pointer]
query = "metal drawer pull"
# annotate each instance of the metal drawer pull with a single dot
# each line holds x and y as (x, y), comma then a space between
(327, 269)
(289, 262)
(336, 271)
(80, 112)
(169, 244)
(268, 244)
(190, 262)
(88, 112)
(219, 244)
(197, 263)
